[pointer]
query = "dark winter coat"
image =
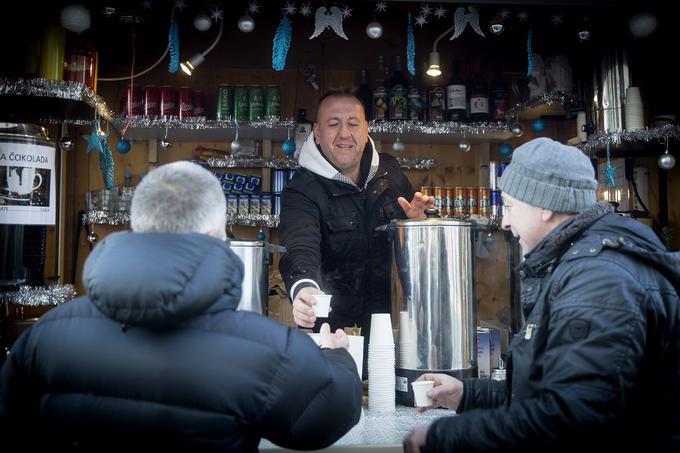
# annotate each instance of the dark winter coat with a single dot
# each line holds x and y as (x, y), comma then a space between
(328, 228)
(597, 365)
(157, 356)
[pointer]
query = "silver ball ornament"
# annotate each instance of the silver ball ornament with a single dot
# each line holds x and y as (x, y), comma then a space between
(666, 161)
(464, 146)
(246, 24)
(584, 35)
(374, 30)
(75, 18)
(516, 129)
(165, 144)
(496, 26)
(235, 146)
(65, 143)
(202, 22)
(398, 146)
(92, 238)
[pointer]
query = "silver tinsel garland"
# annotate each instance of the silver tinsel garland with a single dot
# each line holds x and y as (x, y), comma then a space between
(436, 127)
(264, 220)
(245, 162)
(197, 123)
(546, 99)
(57, 89)
(601, 139)
(106, 217)
(416, 164)
(41, 295)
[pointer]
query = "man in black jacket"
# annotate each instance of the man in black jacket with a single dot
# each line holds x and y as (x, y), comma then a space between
(329, 213)
(596, 366)
(157, 357)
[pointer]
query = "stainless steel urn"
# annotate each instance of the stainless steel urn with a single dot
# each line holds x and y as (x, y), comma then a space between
(255, 257)
(433, 299)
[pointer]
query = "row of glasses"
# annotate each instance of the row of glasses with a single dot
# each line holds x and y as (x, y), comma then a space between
(115, 199)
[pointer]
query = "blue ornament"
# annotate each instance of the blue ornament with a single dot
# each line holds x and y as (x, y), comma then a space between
(123, 146)
(288, 147)
(506, 149)
(538, 125)
(260, 236)
(488, 239)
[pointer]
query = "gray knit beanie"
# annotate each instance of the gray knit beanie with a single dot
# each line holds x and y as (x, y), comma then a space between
(550, 175)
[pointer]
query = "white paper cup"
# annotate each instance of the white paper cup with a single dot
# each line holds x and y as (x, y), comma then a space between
(381, 330)
(322, 306)
(420, 389)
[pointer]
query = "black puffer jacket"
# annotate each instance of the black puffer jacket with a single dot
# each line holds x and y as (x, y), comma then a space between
(157, 356)
(597, 365)
(328, 229)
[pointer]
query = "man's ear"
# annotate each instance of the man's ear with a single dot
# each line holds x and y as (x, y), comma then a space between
(315, 130)
(547, 215)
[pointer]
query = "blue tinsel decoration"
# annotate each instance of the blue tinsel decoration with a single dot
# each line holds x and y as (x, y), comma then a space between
(530, 55)
(281, 43)
(609, 172)
(410, 48)
(173, 45)
(106, 165)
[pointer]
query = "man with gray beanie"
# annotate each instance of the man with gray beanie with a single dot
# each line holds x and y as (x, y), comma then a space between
(597, 363)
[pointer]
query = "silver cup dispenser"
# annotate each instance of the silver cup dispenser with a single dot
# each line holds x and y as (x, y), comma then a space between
(433, 299)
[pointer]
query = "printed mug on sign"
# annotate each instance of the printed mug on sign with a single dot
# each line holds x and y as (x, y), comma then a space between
(22, 183)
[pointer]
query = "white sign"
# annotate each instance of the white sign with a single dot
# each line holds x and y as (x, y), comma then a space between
(27, 181)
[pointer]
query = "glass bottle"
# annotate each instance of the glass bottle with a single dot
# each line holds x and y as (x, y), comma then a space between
(479, 96)
(398, 92)
(456, 95)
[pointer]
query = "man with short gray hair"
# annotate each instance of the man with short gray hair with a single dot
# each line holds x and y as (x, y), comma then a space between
(156, 355)
(596, 365)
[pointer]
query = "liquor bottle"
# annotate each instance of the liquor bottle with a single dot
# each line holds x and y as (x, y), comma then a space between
(498, 96)
(437, 103)
(303, 127)
(398, 92)
(416, 106)
(380, 95)
(456, 95)
(365, 95)
(479, 96)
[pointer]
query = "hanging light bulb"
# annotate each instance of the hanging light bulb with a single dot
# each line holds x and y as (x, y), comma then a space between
(374, 30)
(165, 143)
(398, 146)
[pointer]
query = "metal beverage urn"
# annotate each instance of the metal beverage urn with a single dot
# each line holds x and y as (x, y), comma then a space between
(433, 300)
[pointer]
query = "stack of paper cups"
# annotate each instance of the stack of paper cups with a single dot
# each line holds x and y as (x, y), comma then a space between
(633, 112)
(381, 361)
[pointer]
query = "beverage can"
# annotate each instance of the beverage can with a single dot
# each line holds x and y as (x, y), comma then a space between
(277, 204)
(427, 190)
(460, 201)
(493, 175)
(151, 101)
(266, 203)
(225, 102)
(255, 204)
(131, 104)
(232, 204)
(168, 101)
(484, 202)
(449, 195)
(244, 204)
(199, 103)
(240, 103)
(279, 180)
(439, 198)
(255, 102)
(272, 102)
(472, 200)
(496, 204)
(185, 103)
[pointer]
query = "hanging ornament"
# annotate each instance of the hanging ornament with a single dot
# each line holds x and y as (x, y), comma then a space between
(75, 18)
(260, 235)
(374, 30)
(92, 238)
(165, 143)
(410, 48)
(281, 44)
(584, 30)
(398, 146)
(246, 24)
(173, 45)
(324, 19)
(488, 239)
(516, 129)
(666, 160)
(288, 146)
(505, 149)
(439, 12)
(496, 25)
(538, 125)
(65, 142)
(253, 8)
(123, 146)
(381, 6)
(609, 180)
(461, 19)
(235, 145)
(108, 11)
(305, 9)
(202, 22)
(464, 146)
(530, 54)
(216, 14)
(556, 19)
(642, 25)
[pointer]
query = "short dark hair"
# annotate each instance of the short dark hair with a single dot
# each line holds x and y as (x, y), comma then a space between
(341, 92)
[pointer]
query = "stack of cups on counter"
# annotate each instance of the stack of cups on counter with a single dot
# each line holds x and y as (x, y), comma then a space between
(381, 361)
(633, 113)
(406, 346)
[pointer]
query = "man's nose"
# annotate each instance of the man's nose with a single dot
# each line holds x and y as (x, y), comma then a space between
(344, 130)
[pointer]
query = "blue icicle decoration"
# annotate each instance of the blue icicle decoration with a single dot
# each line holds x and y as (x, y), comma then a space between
(410, 48)
(281, 43)
(106, 165)
(609, 180)
(173, 45)
(530, 55)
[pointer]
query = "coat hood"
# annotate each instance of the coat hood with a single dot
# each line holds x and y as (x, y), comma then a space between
(312, 159)
(162, 279)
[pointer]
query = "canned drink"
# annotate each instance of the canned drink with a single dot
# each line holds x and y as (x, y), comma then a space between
(244, 204)
(426, 190)
(151, 101)
(279, 179)
(255, 204)
(266, 203)
(484, 202)
(168, 101)
(496, 204)
(459, 201)
(472, 200)
(185, 103)
(225, 102)
(501, 168)
(277, 204)
(493, 175)
(199, 103)
(439, 198)
(255, 102)
(272, 102)
(131, 104)
(232, 204)
(449, 195)
(240, 103)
